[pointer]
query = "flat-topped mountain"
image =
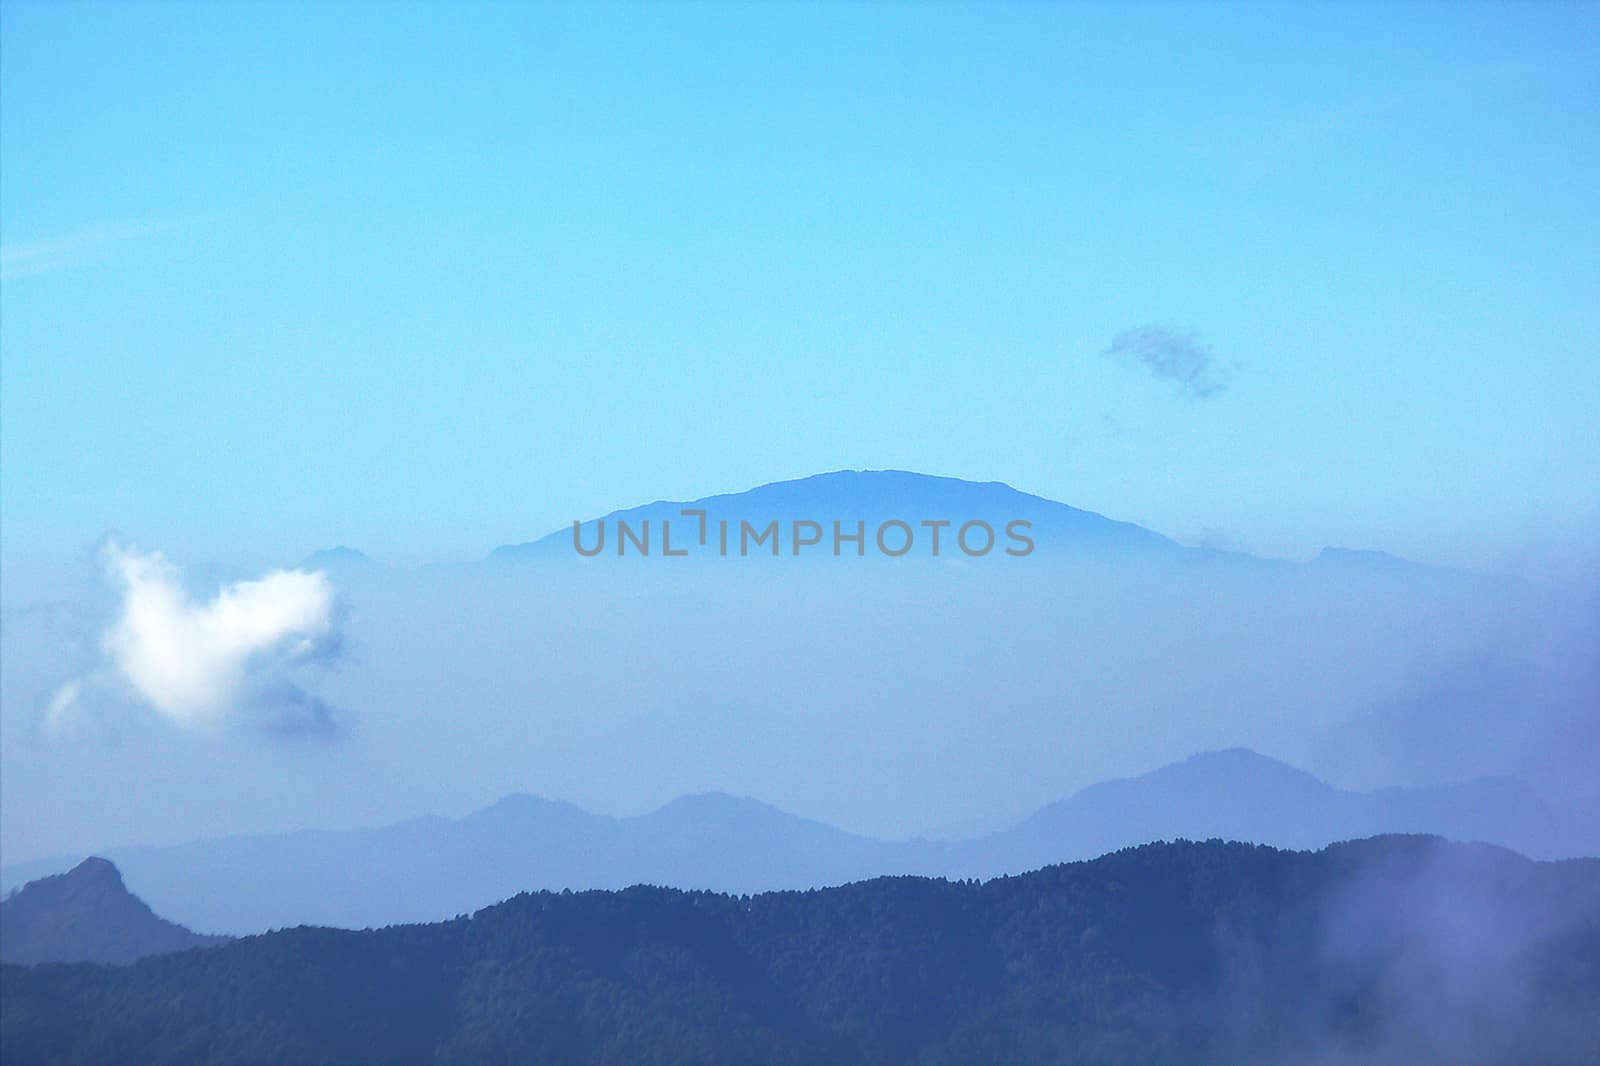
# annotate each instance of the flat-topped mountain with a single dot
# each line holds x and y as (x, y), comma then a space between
(870, 497)
(87, 915)
(1053, 530)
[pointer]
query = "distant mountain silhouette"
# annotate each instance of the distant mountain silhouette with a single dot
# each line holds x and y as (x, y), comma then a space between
(1364, 557)
(1379, 564)
(872, 497)
(1371, 953)
(431, 868)
(1240, 795)
(338, 560)
(1058, 531)
(87, 915)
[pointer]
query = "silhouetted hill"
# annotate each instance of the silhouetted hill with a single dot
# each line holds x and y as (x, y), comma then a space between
(430, 868)
(1390, 950)
(86, 915)
(1240, 795)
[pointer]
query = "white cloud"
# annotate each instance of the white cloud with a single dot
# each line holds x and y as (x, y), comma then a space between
(199, 664)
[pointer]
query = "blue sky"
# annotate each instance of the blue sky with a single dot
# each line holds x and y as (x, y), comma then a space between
(426, 280)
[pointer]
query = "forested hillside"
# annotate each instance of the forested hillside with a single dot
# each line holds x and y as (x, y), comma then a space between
(1396, 949)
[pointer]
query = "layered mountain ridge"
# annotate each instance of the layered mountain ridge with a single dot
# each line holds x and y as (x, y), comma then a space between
(431, 868)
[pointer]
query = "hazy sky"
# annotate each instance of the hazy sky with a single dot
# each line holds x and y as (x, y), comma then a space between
(427, 280)
(430, 279)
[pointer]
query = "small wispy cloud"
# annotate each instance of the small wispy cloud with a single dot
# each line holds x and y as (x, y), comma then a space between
(1179, 357)
(79, 248)
(207, 665)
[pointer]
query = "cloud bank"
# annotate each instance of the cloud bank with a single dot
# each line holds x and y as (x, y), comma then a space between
(1177, 357)
(206, 665)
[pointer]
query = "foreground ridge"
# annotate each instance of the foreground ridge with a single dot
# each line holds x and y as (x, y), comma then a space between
(1180, 952)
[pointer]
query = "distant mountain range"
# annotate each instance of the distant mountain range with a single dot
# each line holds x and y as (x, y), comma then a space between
(1371, 953)
(432, 868)
(87, 915)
